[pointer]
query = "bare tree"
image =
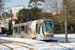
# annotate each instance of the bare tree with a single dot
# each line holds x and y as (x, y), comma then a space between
(1, 6)
(64, 10)
(67, 8)
(54, 6)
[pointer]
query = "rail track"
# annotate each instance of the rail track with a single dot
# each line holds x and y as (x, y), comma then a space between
(4, 44)
(11, 45)
(60, 44)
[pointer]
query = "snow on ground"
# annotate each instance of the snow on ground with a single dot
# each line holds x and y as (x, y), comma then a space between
(63, 35)
(71, 37)
(4, 35)
(57, 46)
(29, 41)
(4, 48)
(13, 46)
(52, 48)
(56, 36)
(41, 45)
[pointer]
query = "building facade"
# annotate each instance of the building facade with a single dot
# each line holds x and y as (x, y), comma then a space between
(16, 9)
(0, 16)
(4, 21)
(1, 24)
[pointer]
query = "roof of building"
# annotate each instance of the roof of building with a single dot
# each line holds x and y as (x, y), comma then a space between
(19, 5)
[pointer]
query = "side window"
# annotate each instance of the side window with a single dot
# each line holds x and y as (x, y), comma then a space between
(18, 29)
(15, 29)
(43, 30)
(22, 28)
(38, 28)
(27, 29)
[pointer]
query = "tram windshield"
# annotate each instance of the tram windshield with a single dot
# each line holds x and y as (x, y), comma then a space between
(48, 26)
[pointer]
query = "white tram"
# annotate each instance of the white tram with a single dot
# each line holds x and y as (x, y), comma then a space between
(37, 29)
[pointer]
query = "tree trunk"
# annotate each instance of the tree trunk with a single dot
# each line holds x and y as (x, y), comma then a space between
(66, 28)
(66, 31)
(56, 6)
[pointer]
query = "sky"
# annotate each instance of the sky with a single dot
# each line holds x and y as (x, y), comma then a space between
(15, 3)
(9, 5)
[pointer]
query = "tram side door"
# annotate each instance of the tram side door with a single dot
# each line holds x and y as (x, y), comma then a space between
(39, 31)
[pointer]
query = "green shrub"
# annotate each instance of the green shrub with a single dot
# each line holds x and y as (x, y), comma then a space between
(9, 33)
(62, 32)
(69, 31)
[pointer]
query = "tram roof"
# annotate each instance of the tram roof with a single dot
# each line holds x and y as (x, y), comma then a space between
(30, 21)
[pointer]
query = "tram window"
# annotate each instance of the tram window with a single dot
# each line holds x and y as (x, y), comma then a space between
(27, 29)
(48, 26)
(38, 29)
(22, 28)
(42, 29)
(15, 29)
(18, 29)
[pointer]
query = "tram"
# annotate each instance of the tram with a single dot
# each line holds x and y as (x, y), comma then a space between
(38, 29)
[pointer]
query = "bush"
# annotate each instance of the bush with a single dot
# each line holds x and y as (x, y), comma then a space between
(61, 32)
(69, 31)
(57, 30)
(9, 33)
(0, 32)
(4, 30)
